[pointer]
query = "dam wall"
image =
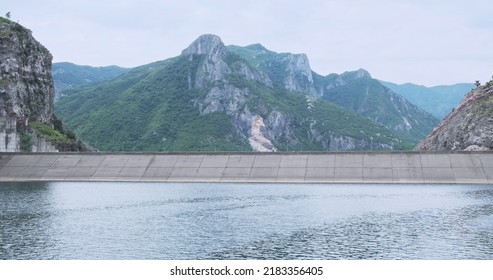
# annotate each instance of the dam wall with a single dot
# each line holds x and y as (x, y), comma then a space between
(408, 167)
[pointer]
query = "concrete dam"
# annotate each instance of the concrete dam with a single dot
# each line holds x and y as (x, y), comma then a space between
(390, 167)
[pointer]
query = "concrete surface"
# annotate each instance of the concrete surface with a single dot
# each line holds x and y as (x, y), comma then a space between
(409, 167)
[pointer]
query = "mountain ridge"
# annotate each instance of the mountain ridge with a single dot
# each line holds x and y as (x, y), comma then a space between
(347, 89)
(437, 100)
(68, 75)
(243, 96)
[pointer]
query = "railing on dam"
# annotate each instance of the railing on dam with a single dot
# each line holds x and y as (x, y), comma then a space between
(392, 167)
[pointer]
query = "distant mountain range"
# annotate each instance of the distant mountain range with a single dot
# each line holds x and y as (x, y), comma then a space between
(68, 75)
(437, 100)
(214, 97)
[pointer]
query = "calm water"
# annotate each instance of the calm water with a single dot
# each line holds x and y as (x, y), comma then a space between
(244, 221)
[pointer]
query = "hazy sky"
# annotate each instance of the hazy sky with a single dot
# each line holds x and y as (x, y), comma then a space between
(425, 42)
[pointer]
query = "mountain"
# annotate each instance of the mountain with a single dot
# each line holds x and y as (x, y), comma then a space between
(354, 90)
(437, 100)
(468, 127)
(68, 75)
(27, 122)
(285, 70)
(213, 97)
(362, 94)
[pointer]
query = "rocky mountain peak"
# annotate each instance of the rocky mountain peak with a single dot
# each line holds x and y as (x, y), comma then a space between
(299, 74)
(353, 75)
(362, 73)
(350, 76)
(207, 44)
(239, 98)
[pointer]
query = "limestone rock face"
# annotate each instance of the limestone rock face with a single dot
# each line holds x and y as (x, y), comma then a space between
(207, 44)
(262, 127)
(349, 76)
(213, 66)
(469, 127)
(299, 74)
(227, 98)
(27, 95)
(257, 139)
(26, 85)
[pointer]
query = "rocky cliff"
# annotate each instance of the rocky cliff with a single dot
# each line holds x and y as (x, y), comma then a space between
(27, 94)
(469, 127)
(354, 90)
(286, 70)
(26, 86)
(222, 76)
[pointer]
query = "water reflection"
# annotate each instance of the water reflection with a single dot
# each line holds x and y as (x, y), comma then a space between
(247, 221)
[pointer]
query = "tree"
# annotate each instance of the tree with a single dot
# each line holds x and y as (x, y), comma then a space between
(7, 15)
(478, 83)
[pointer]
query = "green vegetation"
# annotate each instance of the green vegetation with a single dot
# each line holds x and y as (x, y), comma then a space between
(147, 109)
(273, 64)
(4, 20)
(155, 107)
(363, 95)
(484, 106)
(67, 75)
(50, 133)
(328, 117)
(63, 139)
(6, 32)
(26, 142)
(14, 27)
(437, 100)
(368, 97)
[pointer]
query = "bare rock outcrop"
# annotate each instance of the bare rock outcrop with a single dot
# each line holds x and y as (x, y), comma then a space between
(469, 127)
(26, 85)
(27, 96)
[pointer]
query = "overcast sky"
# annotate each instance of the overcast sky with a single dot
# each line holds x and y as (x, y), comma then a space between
(424, 42)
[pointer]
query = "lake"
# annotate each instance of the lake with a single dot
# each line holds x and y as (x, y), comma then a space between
(66, 220)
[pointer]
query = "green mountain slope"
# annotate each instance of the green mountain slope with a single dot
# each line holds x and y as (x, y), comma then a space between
(210, 98)
(355, 90)
(68, 75)
(437, 100)
(359, 92)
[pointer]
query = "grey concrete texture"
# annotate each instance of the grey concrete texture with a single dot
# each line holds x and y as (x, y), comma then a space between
(390, 167)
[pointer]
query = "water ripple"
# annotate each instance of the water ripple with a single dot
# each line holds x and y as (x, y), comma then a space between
(246, 221)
